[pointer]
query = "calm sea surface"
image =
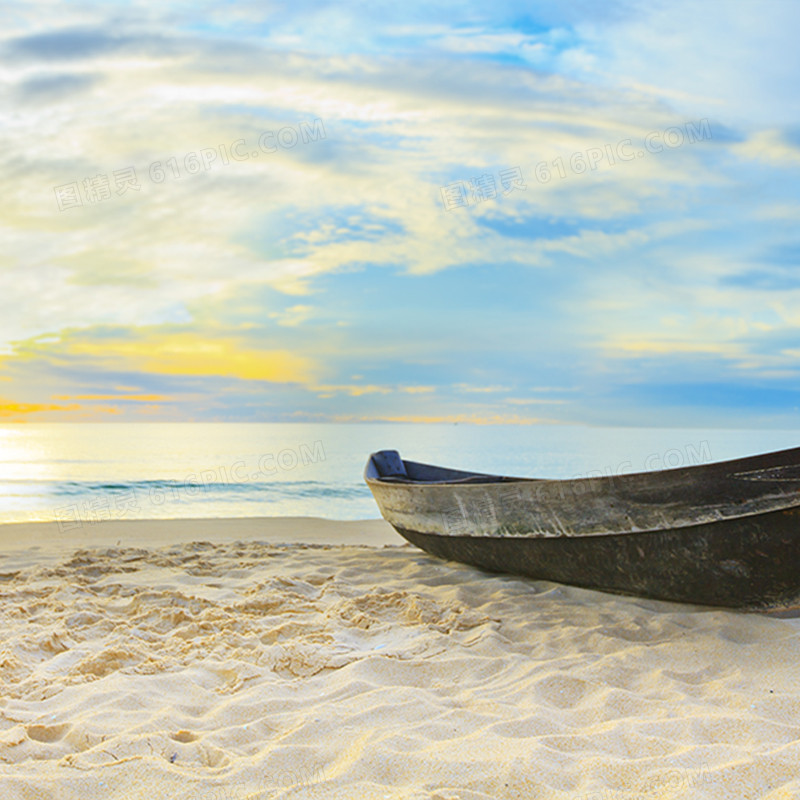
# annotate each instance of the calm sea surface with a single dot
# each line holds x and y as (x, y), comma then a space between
(81, 473)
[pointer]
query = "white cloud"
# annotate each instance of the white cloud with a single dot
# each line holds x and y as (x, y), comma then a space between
(769, 146)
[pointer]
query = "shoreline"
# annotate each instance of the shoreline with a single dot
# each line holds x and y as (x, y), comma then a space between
(28, 543)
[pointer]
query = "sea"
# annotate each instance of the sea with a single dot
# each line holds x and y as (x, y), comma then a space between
(76, 474)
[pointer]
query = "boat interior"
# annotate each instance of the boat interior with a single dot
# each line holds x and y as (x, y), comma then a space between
(386, 465)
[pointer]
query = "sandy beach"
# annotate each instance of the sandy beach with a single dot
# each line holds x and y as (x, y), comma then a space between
(283, 658)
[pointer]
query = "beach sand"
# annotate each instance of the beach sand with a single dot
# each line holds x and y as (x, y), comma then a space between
(291, 658)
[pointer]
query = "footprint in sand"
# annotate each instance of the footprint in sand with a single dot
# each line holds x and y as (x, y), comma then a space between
(695, 678)
(562, 691)
(47, 733)
(184, 736)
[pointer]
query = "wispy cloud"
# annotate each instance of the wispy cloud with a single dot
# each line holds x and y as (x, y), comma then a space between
(235, 209)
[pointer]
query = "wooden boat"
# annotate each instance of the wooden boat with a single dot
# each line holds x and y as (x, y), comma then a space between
(724, 534)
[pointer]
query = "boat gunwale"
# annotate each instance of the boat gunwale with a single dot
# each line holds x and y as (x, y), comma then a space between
(711, 466)
(788, 500)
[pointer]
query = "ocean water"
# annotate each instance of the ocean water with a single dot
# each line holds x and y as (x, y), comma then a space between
(81, 473)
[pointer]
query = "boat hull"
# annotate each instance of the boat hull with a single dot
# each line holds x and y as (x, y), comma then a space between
(750, 563)
(723, 534)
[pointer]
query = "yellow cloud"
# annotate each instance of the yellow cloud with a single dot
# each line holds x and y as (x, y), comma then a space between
(181, 353)
(296, 315)
(157, 350)
(354, 390)
(16, 412)
(141, 398)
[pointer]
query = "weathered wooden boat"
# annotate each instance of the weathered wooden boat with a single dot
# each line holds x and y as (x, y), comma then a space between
(723, 534)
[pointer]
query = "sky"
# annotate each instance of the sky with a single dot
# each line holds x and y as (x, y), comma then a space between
(506, 212)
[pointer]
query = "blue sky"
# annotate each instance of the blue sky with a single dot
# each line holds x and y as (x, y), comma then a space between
(506, 212)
